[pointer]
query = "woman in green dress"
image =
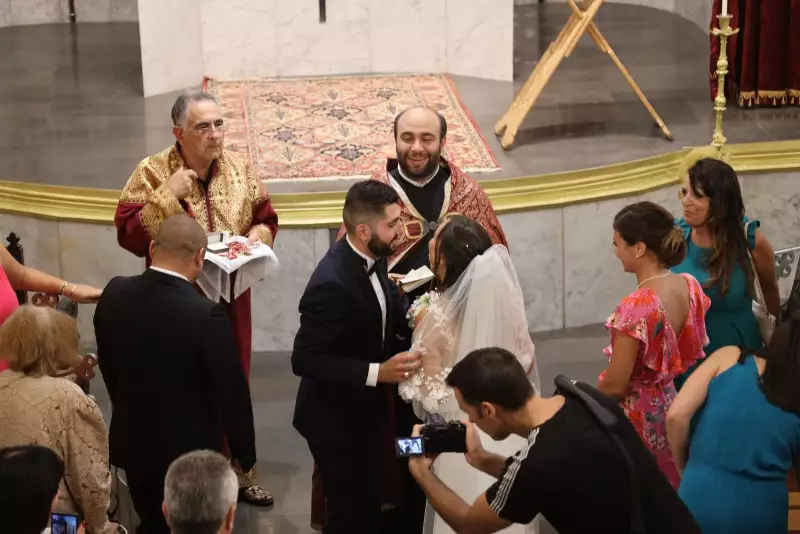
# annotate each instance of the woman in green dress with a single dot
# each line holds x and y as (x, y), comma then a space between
(718, 256)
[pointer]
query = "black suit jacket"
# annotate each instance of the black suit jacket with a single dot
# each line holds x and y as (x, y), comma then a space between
(169, 360)
(339, 337)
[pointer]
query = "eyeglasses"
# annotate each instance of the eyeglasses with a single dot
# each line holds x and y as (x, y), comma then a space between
(205, 128)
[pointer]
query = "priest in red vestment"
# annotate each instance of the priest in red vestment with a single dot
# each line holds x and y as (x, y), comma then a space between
(199, 177)
(431, 188)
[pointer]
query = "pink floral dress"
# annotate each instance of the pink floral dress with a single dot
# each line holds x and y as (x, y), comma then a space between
(663, 355)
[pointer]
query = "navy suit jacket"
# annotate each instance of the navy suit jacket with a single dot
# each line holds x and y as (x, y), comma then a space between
(339, 337)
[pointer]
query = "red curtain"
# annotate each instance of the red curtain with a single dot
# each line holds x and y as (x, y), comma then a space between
(764, 57)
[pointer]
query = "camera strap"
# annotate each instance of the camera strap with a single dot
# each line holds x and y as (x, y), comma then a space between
(609, 422)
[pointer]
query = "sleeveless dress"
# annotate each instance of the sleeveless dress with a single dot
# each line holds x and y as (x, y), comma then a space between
(8, 303)
(730, 320)
(740, 452)
(663, 355)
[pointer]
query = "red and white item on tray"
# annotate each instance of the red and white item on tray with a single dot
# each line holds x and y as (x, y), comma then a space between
(250, 262)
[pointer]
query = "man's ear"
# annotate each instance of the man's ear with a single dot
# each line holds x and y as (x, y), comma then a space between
(151, 248)
(488, 409)
(200, 257)
(178, 133)
(444, 142)
(164, 511)
(230, 517)
(363, 232)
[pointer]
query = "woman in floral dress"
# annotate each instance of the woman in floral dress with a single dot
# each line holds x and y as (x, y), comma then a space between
(658, 331)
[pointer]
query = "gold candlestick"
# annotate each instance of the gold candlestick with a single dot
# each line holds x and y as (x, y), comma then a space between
(724, 31)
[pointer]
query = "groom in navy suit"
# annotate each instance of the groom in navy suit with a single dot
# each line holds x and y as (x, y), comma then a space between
(349, 315)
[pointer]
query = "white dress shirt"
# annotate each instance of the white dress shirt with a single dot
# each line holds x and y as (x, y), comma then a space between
(372, 375)
(171, 273)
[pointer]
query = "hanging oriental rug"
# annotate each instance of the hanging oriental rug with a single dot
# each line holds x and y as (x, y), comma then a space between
(338, 127)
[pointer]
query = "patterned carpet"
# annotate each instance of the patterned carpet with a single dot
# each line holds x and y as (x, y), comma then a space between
(338, 127)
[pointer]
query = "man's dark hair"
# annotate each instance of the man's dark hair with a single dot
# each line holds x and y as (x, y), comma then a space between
(367, 201)
(442, 121)
(181, 106)
(491, 375)
(29, 479)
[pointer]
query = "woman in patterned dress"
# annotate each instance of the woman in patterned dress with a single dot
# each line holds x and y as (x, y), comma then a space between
(38, 408)
(657, 331)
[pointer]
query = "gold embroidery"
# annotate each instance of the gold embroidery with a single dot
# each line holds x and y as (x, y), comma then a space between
(226, 206)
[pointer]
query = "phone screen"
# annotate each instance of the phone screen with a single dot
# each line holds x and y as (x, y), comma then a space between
(409, 447)
(63, 523)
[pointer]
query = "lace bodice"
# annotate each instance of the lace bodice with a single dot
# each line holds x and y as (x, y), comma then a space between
(432, 338)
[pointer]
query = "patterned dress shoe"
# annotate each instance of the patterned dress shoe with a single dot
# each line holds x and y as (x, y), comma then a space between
(250, 491)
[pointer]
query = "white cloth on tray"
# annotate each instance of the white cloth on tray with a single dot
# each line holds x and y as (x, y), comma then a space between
(215, 279)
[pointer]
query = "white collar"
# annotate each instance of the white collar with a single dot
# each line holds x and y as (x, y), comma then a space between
(369, 260)
(171, 273)
(414, 182)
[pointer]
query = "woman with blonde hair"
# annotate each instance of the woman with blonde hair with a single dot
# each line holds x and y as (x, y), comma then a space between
(37, 407)
(657, 331)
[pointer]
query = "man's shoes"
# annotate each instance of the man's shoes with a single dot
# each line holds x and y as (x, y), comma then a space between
(256, 495)
(250, 491)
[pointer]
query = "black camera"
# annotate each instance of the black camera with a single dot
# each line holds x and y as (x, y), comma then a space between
(438, 436)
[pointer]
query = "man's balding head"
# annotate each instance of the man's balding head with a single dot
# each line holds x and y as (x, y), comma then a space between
(180, 246)
(420, 116)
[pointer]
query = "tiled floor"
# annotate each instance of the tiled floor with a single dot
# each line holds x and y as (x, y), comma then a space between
(284, 461)
(73, 114)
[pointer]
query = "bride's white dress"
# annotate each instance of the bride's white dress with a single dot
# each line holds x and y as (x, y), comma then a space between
(484, 308)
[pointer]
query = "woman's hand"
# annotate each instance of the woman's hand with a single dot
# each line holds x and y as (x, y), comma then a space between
(83, 294)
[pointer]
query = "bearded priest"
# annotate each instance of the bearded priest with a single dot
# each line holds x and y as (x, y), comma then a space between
(199, 177)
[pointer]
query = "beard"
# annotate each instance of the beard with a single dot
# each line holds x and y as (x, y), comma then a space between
(408, 167)
(378, 247)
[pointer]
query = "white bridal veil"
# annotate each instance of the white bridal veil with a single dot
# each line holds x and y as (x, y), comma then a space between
(484, 308)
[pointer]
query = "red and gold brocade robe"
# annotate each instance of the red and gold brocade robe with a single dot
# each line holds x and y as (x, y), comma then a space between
(234, 201)
(462, 196)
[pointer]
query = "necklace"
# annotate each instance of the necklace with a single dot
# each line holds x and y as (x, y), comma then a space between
(653, 278)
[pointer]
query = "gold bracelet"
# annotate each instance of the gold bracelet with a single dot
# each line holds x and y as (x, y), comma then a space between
(63, 287)
(74, 287)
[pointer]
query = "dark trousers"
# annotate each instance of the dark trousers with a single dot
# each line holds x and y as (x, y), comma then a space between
(411, 516)
(146, 485)
(353, 482)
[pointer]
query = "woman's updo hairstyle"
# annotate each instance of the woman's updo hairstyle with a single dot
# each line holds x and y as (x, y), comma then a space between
(651, 224)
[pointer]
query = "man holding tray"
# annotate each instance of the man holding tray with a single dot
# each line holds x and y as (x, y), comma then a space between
(197, 176)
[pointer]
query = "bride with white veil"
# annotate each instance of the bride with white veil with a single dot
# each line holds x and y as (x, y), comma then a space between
(478, 304)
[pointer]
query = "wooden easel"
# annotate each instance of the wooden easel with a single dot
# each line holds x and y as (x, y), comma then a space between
(579, 23)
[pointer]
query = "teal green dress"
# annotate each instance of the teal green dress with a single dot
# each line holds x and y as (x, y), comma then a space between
(739, 455)
(730, 320)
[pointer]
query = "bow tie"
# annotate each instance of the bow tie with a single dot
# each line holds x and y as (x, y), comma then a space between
(379, 263)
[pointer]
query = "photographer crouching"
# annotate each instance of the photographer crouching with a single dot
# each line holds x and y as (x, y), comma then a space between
(584, 468)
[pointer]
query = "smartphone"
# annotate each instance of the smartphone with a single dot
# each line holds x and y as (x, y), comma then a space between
(63, 523)
(406, 447)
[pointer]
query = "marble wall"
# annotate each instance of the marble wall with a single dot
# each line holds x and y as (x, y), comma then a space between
(563, 256)
(697, 11)
(172, 46)
(243, 39)
(22, 12)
